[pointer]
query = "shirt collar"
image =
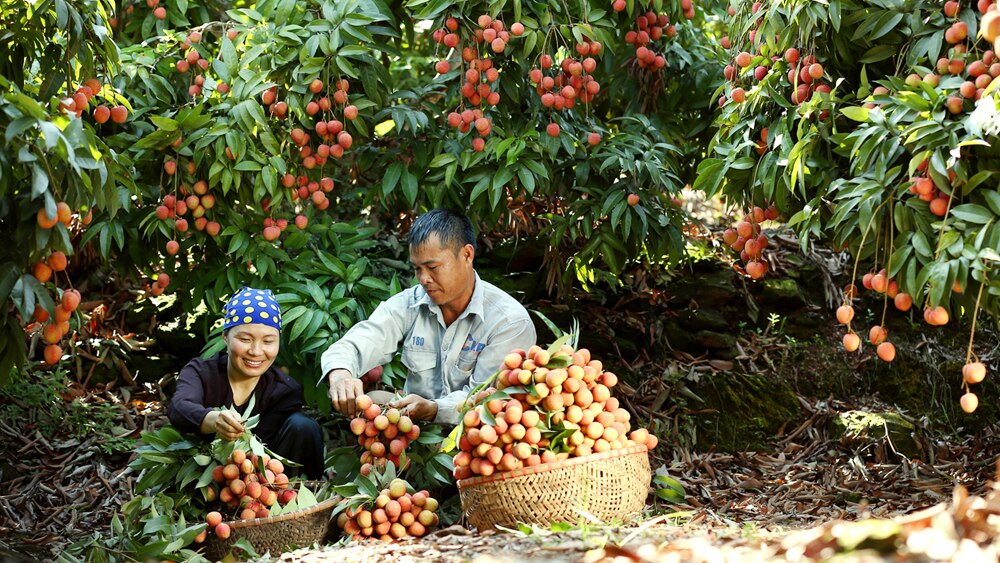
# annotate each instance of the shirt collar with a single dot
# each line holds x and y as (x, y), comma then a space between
(476, 303)
(475, 306)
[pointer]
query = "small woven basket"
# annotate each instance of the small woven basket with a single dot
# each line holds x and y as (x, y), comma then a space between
(276, 534)
(610, 485)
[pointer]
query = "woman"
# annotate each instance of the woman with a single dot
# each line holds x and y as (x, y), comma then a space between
(251, 330)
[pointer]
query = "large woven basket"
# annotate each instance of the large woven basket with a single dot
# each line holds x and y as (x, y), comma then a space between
(276, 534)
(612, 486)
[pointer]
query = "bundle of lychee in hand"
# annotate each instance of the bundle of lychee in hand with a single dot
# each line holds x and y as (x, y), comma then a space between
(384, 434)
(544, 405)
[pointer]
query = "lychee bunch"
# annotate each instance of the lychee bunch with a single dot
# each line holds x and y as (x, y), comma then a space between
(480, 86)
(248, 486)
(647, 38)
(383, 433)
(395, 513)
(747, 239)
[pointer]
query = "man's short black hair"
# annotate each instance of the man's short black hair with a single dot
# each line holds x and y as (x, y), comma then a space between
(453, 229)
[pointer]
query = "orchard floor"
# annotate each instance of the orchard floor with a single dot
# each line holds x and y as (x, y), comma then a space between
(812, 498)
(789, 503)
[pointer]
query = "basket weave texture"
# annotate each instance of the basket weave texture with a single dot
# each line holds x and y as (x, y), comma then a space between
(278, 534)
(610, 485)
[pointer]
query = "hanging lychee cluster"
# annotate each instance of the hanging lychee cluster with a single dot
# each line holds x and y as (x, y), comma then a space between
(560, 86)
(647, 38)
(193, 61)
(480, 86)
(924, 188)
(747, 239)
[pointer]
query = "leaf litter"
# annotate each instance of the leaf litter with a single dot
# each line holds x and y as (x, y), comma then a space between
(815, 496)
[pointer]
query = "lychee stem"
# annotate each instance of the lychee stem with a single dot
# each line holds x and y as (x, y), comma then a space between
(975, 314)
(861, 245)
(888, 262)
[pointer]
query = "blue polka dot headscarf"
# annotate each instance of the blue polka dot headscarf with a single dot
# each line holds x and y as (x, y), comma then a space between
(252, 306)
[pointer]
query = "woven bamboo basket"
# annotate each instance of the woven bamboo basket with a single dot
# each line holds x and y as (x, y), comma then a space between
(610, 485)
(276, 534)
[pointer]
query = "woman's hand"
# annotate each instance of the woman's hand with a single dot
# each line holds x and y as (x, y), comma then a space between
(416, 407)
(224, 423)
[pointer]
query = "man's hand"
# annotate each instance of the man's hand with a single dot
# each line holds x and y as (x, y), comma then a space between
(344, 391)
(224, 423)
(416, 407)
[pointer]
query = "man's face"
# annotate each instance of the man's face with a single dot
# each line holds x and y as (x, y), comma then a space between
(445, 272)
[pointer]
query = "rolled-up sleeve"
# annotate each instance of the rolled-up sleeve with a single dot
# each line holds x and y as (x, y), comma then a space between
(519, 333)
(187, 408)
(371, 342)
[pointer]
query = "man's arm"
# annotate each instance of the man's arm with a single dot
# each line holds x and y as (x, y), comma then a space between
(518, 334)
(369, 343)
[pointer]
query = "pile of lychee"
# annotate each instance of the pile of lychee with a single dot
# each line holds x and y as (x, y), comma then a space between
(248, 486)
(383, 433)
(560, 406)
(747, 239)
(395, 513)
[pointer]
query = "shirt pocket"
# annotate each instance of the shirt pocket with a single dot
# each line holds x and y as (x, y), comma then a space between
(419, 361)
(461, 371)
(467, 362)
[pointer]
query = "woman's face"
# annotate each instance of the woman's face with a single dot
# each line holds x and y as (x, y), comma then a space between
(252, 349)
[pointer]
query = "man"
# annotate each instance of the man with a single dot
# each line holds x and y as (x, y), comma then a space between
(454, 328)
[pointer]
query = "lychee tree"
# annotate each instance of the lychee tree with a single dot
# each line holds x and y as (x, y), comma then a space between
(558, 122)
(872, 126)
(57, 166)
(268, 144)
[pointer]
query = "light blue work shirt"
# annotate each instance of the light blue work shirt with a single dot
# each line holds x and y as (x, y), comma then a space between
(444, 362)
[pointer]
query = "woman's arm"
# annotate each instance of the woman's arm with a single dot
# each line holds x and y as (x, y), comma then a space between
(187, 408)
(224, 423)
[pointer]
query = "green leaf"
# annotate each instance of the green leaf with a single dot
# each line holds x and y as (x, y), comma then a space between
(973, 213)
(711, 173)
(441, 160)
(306, 498)
(855, 113)
(163, 123)
(391, 177)
(409, 182)
(247, 547)
(39, 181)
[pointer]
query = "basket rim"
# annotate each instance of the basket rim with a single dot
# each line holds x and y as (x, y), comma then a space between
(257, 522)
(551, 466)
